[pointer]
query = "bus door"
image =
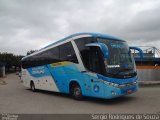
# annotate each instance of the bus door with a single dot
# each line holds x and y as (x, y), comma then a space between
(93, 61)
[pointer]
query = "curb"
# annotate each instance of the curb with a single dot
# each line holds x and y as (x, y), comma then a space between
(149, 83)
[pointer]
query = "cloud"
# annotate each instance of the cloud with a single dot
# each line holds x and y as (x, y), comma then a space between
(28, 24)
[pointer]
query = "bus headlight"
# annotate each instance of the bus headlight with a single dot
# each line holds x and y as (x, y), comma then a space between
(113, 93)
(111, 84)
(119, 85)
(135, 82)
(116, 85)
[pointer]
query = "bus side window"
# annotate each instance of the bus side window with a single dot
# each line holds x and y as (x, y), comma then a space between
(67, 53)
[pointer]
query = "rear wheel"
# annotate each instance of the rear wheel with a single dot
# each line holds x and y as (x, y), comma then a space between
(76, 92)
(32, 86)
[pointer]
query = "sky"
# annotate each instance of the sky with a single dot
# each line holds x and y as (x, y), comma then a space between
(32, 24)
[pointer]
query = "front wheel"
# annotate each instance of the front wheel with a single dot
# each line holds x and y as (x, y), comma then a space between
(76, 92)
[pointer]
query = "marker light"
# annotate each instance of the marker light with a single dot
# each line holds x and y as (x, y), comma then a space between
(113, 93)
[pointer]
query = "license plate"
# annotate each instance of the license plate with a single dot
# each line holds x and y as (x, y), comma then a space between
(129, 91)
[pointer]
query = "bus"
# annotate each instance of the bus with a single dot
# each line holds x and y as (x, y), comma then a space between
(83, 64)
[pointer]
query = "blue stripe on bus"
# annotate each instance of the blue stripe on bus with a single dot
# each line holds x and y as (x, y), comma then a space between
(39, 71)
(63, 75)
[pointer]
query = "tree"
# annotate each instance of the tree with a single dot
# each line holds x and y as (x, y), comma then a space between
(31, 51)
(11, 60)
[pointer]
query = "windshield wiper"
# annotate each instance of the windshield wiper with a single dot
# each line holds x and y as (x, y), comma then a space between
(123, 70)
(111, 74)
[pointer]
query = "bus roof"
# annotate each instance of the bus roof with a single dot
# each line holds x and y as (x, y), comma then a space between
(76, 35)
(85, 33)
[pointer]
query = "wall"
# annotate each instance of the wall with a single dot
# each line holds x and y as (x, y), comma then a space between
(149, 74)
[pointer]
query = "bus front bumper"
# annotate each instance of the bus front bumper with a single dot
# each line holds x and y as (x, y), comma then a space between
(113, 92)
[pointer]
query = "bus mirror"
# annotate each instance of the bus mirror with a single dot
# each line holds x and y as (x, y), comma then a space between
(140, 51)
(102, 46)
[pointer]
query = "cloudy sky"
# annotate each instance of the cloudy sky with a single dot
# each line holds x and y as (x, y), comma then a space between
(32, 24)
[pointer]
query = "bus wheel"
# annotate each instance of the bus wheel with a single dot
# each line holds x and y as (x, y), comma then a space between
(76, 92)
(32, 86)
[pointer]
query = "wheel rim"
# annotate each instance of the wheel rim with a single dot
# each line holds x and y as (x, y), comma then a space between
(32, 86)
(77, 92)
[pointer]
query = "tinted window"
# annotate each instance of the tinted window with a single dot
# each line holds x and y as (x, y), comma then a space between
(67, 53)
(120, 61)
(46, 57)
(56, 54)
(82, 41)
(51, 55)
(91, 56)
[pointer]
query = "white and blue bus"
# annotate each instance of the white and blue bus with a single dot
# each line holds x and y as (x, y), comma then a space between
(83, 64)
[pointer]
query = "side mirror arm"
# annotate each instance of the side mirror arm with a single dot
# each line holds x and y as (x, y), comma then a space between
(102, 46)
(140, 51)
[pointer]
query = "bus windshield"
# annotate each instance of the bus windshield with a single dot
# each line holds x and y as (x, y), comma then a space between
(120, 62)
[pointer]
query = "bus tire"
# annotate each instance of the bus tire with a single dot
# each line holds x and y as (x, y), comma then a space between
(76, 91)
(32, 86)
